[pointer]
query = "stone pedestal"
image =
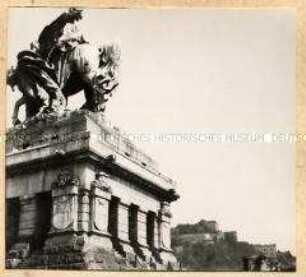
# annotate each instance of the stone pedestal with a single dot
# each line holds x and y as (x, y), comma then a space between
(166, 254)
(92, 177)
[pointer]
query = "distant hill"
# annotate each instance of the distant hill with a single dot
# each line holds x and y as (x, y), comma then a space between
(203, 226)
(219, 255)
(202, 246)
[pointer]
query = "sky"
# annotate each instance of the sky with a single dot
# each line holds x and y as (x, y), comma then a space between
(201, 71)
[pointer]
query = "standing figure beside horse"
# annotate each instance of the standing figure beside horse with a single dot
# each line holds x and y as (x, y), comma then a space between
(62, 64)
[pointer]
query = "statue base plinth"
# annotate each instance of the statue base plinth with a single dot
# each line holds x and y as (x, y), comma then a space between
(67, 180)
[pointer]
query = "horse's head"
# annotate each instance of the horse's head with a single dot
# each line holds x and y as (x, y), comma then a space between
(98, 67)
(106, 77)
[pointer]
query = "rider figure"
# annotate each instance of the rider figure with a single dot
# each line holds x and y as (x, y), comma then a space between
(62, 34)
(37, 67)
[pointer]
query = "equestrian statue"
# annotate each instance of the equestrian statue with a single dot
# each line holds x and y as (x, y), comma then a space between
(60, 64)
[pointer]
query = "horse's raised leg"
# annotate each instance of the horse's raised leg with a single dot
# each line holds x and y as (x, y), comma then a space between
(57, 100)
(21, 101)
(90, 99)
(43, 97)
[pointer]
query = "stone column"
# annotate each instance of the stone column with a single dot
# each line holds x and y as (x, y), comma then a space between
(133, 236)
(142, 235)
(123, 229)
(123, 225)
(84, 211)
(100, 197)
(154, 246)
(156, 232)
(142, 227)
(164, 220)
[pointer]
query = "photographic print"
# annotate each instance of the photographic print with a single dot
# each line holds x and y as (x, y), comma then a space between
(151, 139)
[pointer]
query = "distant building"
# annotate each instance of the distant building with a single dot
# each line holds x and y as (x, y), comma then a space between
(269, 250)
(204, 231)
(212, 226)
(230, 236)
(196, 238)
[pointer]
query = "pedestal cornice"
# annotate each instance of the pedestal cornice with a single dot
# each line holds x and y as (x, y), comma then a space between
(75, 138)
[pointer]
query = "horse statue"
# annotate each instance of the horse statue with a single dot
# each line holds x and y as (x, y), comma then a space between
(47, 81)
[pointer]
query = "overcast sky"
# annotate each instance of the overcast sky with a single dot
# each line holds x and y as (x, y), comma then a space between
(202, 71)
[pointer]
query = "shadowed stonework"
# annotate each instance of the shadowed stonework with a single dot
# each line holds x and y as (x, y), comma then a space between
(80, 195)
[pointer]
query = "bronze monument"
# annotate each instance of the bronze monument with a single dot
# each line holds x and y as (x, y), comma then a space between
(79, 195)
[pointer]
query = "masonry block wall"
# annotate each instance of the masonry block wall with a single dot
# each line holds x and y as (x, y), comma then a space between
(79, 195)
